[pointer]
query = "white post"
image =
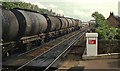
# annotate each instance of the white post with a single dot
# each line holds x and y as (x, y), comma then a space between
(92, 44)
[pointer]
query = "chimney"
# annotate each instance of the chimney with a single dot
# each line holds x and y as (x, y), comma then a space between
(111, 13)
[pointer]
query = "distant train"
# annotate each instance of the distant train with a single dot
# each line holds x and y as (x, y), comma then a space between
(22, 28)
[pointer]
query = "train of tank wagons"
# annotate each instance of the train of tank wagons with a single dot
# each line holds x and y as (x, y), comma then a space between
(24, 29)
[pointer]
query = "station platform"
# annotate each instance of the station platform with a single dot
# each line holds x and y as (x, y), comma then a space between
(99, 63)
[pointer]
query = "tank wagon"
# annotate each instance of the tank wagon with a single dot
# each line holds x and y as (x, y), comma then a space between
(23, 29)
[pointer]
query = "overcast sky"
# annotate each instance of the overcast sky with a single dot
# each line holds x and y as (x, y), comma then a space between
(81, 9)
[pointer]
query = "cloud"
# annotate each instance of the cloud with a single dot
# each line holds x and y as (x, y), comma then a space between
(81, 9)
(60, 12)
(77, 12)
(40, 5)
(84, 15)
(52, 6)
(74, 1)
(10, 0)
(35, 3)
(25, 1)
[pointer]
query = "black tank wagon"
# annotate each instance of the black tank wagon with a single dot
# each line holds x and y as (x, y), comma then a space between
(23, 28)
(10, 25)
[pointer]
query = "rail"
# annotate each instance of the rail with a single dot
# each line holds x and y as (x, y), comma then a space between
(75, 40)
(43, 53)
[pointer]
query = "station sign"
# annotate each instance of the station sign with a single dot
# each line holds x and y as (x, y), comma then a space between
(92, 44)
(91, 41)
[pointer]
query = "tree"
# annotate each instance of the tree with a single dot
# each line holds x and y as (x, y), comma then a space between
(23, 5)
(105, 32)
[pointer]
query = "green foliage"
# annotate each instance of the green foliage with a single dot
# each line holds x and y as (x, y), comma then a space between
(100, 19)
(105, 32)
(118, 35)
(23, 5)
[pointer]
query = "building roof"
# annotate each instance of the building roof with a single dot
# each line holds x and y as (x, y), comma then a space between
(112, 22)
(117, 18)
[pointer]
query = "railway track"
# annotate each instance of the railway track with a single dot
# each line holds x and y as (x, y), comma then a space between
(45, 55)
(62, 53)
